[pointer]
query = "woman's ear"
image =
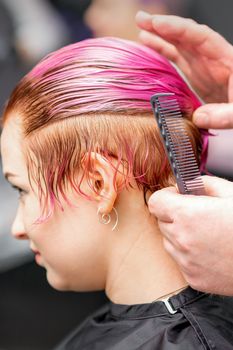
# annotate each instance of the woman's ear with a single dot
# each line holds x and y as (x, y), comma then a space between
(103, 175)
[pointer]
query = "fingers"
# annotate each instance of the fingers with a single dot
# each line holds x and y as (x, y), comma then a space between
(144, 20)
(186, 33)
(160, 45)
(169, 236)
(167, 204)
(164, 48)
(162, 203)
(217, 187)
(172, 28)
(214, 116)
(170, 248)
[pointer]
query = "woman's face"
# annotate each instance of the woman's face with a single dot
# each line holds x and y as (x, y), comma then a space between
(71, 245)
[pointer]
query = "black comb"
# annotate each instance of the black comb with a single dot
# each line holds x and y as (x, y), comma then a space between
(177, 143)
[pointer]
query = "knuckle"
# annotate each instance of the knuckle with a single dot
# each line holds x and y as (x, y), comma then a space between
(191, 21)
(204, 28)
(184, 243)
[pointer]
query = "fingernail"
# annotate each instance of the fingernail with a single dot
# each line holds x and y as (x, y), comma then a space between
(142, 15)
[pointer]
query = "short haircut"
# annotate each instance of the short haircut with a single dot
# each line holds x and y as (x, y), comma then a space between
(94, 96)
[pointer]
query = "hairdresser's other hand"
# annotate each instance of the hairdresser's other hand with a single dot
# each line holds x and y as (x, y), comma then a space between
(198, 233)
(204, 56)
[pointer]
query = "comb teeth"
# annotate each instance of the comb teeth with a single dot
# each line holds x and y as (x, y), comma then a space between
(177, 143)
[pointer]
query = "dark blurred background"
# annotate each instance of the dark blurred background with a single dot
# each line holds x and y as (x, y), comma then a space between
(33, 316)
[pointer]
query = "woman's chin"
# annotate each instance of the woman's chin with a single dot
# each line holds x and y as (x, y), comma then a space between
(58, 283)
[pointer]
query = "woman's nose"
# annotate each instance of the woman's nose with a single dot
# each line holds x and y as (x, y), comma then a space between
(18, 229)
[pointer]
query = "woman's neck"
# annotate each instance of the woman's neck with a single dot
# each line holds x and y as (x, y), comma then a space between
(140, 270)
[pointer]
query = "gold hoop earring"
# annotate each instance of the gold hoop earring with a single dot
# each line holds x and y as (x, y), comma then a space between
(106, 218)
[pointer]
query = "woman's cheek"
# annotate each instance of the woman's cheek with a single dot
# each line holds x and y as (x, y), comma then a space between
(31, 210)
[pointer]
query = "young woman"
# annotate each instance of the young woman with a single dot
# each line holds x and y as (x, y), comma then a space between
(81, 145)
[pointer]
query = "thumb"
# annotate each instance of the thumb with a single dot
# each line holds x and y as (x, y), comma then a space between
(162, 203)
(217, 187)
(214, 116)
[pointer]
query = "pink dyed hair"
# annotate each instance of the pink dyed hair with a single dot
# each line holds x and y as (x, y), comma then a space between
(95, 96)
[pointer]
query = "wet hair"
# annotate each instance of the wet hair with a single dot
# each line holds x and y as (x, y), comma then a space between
(94, 96)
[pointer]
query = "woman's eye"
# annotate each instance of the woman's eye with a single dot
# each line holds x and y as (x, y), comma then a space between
(20, 190)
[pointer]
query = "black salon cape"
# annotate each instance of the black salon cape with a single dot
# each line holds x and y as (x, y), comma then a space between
(200, 321)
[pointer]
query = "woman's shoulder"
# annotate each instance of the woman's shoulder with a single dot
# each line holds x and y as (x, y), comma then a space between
(190, 320)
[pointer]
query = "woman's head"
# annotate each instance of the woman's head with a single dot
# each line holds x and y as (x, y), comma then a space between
(82, 129)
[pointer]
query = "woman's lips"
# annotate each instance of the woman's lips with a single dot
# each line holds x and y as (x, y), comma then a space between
(38, 257)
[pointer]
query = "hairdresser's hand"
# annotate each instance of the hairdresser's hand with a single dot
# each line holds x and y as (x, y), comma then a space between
(198, 233)
(204, 56)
